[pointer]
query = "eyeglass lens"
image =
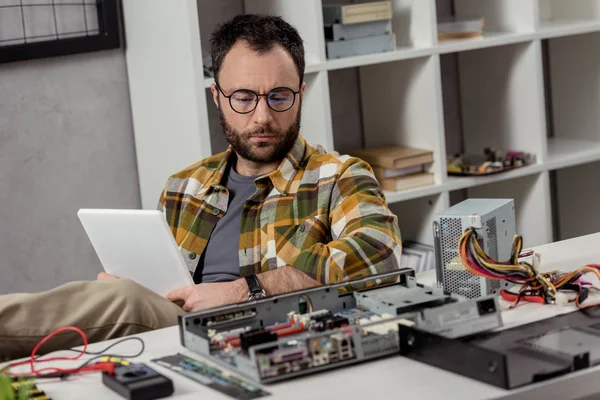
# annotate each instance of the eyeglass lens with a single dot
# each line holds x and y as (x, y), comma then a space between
(244, 101)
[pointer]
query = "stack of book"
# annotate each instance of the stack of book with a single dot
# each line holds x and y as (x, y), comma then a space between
(460, 29)
(358, 28)
(418, 256)
(398, 167)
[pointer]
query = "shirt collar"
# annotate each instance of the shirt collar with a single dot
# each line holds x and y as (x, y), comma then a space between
(217, 176)
(281, 177)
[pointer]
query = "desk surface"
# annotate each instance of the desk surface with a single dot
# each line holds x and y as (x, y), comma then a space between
(390, 377)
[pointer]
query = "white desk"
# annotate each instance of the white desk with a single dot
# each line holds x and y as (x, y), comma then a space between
(393, 377)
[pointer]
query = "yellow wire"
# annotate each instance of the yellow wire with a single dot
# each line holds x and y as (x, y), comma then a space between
(493, 265)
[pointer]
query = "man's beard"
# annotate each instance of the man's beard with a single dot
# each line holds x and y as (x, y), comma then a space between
(261, 152)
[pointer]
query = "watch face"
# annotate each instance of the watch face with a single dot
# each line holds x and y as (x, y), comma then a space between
(257, 296)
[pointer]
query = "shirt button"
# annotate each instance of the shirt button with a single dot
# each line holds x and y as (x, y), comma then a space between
(216, 212)
(192, 256)
(302, 228)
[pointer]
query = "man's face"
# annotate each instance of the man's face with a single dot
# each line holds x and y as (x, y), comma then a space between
(263, 135)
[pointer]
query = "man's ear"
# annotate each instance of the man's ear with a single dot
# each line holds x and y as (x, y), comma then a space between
(215, 94)
(302, 89)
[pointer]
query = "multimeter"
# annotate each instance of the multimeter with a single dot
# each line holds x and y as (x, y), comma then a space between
(138, 382)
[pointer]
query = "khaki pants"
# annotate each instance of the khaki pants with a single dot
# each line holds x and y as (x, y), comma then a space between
(102, 309)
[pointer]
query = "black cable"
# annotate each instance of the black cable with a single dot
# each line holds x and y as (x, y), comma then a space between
(113, 345)
(99, 356)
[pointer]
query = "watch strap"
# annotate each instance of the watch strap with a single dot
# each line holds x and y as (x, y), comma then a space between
(254, 287)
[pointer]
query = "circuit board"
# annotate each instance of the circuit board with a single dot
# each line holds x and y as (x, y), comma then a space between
(298, 343)
(25, 388)
(212, 377)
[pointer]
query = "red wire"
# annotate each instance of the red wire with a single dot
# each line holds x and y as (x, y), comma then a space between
(32, 360)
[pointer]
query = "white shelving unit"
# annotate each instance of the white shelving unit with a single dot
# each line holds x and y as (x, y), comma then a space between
(532, 83)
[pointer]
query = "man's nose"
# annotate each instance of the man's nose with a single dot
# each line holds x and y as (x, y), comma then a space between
(262, 114)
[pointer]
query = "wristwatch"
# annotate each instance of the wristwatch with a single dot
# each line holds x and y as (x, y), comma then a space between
(255, 291)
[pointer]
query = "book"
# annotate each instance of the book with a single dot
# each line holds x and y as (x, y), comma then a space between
(394, 157)
(357, 13)
(460, 28)
(459, 35)
(407, 182)
(384, 173)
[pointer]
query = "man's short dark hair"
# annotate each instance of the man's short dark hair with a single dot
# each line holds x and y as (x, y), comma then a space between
(261, 32)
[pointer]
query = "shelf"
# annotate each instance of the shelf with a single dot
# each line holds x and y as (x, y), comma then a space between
(310, 69)
(457, 183)
(489, 39)
(558, 28)
(564, 153)
(410, 194)
(402, 53)
(465, 182)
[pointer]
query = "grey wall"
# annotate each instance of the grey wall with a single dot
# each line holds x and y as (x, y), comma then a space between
(66, 142)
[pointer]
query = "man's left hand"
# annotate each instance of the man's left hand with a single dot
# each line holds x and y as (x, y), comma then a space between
(209, 295)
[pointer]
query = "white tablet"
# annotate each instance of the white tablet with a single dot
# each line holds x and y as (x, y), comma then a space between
(137, 245)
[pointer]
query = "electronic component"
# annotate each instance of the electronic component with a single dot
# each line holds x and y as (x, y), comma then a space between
(354, 31)
(454, 319)
(218, 320)
(257, 336)
(138, 382)
(289, 354)
(24, 388)
(494, 222)
(279, 340)
(212, 377)
(360, 46)
(328, 321)
(531, 284)
(514, 357)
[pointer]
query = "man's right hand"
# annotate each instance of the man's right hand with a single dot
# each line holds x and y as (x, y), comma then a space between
(102, 276)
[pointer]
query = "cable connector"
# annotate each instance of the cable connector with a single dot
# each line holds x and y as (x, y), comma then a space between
(107, 367)
(561, 299)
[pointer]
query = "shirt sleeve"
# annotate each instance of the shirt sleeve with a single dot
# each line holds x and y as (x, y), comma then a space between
(160, 206)
(365, 234)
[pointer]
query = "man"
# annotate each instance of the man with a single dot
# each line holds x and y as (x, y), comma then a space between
(270, 215)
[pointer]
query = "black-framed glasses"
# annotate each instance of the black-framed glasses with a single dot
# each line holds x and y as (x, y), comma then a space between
(244, 101)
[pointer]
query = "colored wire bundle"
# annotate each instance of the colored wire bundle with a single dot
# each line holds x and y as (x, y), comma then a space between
(545, 285)
(62, 373)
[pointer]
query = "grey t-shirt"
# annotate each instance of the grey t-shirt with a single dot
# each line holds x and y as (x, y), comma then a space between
(220, 260)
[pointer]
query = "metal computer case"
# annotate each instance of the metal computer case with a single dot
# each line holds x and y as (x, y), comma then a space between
(405, 301)
(494, 223)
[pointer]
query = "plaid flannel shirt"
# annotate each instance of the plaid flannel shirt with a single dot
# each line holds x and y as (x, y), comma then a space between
(319, 212)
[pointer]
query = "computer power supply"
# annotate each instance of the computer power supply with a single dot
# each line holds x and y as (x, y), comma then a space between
(494, 223)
